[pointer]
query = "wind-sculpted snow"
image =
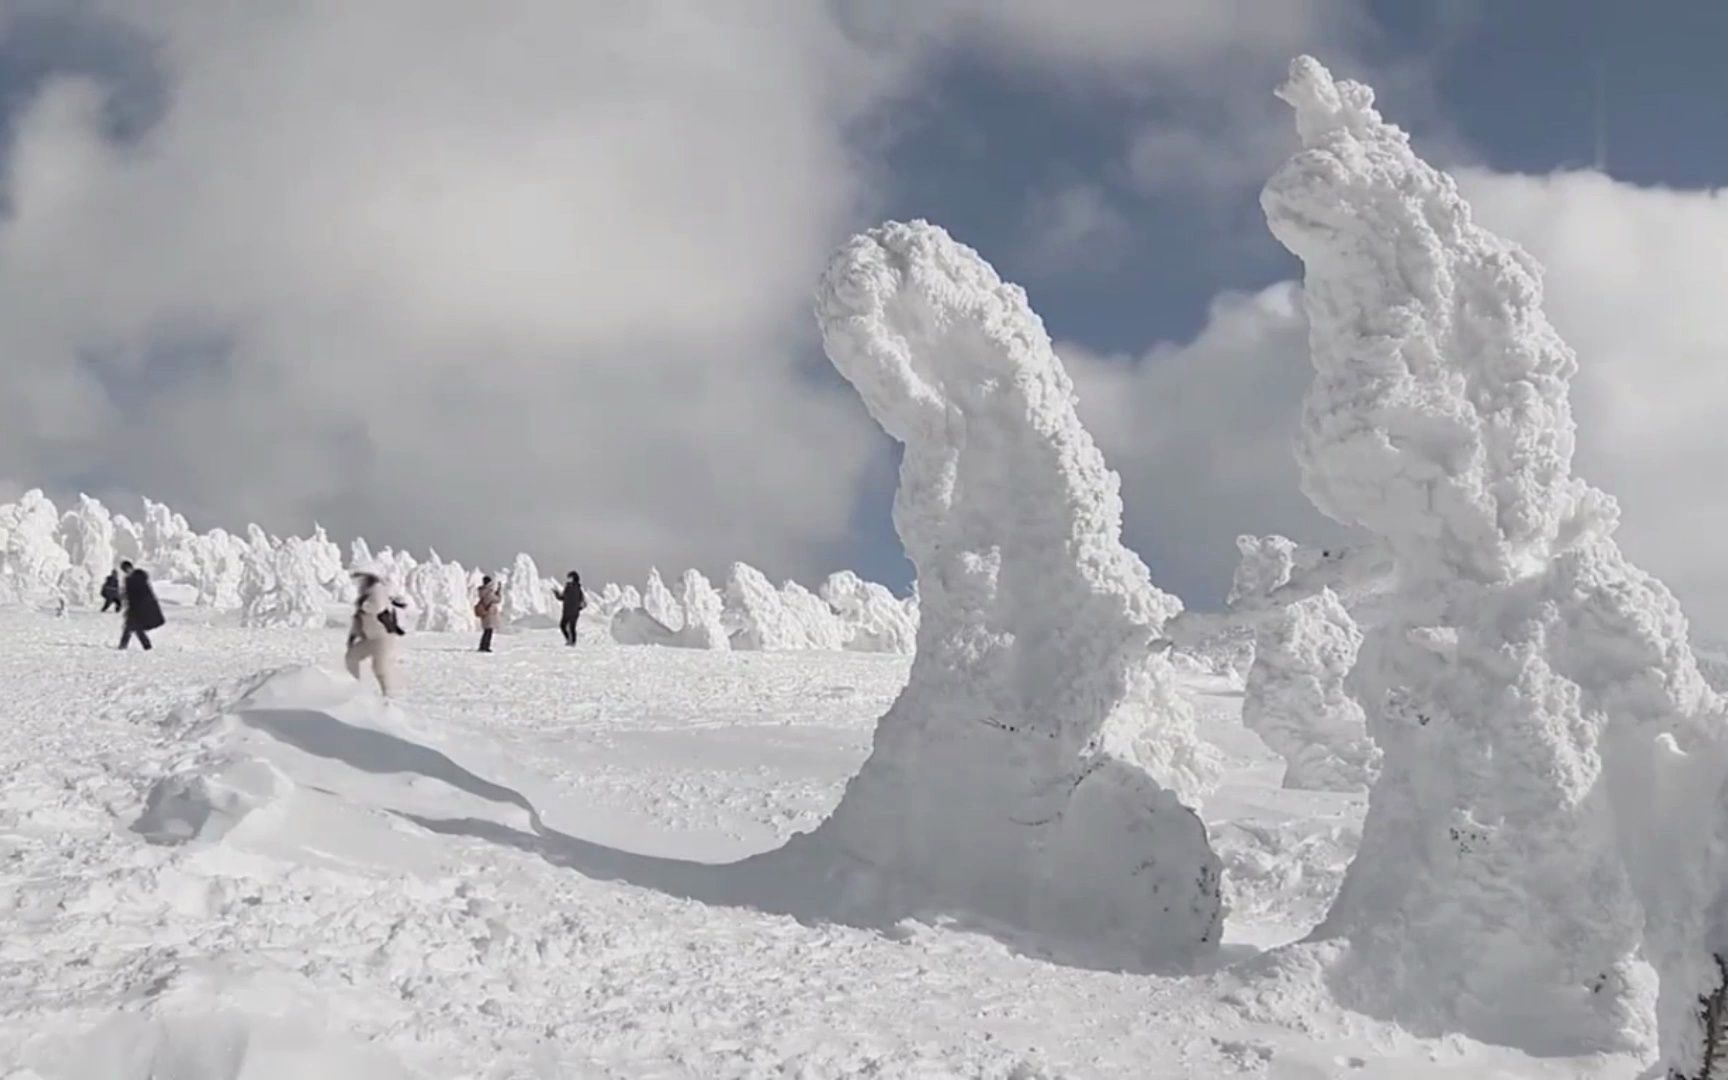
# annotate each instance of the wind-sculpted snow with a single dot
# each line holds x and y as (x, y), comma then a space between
(1034, 771)
(1296, 701)
(1553, 759)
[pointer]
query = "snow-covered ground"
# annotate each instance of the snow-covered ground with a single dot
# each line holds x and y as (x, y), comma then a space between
(212, 872)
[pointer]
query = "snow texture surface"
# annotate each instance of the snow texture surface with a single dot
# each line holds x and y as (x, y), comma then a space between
(1039, 769)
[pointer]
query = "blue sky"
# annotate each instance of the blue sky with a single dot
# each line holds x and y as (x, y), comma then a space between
(379, 264)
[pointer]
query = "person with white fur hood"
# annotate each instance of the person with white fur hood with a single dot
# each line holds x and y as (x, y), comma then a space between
(374, 629)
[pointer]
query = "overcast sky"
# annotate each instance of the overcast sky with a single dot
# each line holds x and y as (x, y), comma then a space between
(536, 275)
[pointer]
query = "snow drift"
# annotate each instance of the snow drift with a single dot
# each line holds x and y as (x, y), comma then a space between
(1035, 769)
(1550, 796)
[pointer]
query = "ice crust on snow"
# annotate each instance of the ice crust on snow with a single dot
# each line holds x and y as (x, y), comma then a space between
(1551, 793)
(1034, 771)
(1295, 698)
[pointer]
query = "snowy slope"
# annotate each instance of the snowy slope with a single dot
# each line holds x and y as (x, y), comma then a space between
(482, 882)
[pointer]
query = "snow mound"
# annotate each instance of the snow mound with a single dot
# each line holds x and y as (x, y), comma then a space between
(634, 626)
(1034, 771)
(1549, 745)
(1296, 701)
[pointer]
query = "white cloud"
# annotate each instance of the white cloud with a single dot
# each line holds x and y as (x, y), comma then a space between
(1109, 39)
(1075, 227)
(489, 282)
(1636, 279)
(1202, 434)
(486, 280)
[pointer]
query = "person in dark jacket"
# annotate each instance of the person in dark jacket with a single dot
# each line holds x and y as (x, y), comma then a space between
(111, 591)
(574, 601)
(143, 611)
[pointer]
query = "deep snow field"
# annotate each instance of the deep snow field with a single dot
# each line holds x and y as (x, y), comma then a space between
(223, 860)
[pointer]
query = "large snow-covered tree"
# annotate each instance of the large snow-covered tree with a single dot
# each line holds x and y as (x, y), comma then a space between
(1036, 768)
(1549, 806)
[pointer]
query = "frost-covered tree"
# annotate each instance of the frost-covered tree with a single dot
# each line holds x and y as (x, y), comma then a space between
(1296, 701)
(33, 558)
(284, 588)
(170, 545)
(872, 619)
(87, 535)
(222, 570)
(525, 596)
(658, 602)
(439, 594)
(1266, 564)
(703, 609)
(128, 541)
(77, 587)
(1550, 798)
(755, 614)
(326, 562)
(817, 624)
(1035, 769)
(360, 555)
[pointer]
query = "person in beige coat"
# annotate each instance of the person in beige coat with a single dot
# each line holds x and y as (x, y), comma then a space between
(490, 608)
(373, 631)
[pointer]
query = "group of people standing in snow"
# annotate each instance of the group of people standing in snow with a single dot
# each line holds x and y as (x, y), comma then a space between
(128, 591)
(373, 630)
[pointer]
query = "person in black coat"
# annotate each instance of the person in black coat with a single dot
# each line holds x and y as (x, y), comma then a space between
(574, 601)
(111, 591)
(143, 611)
